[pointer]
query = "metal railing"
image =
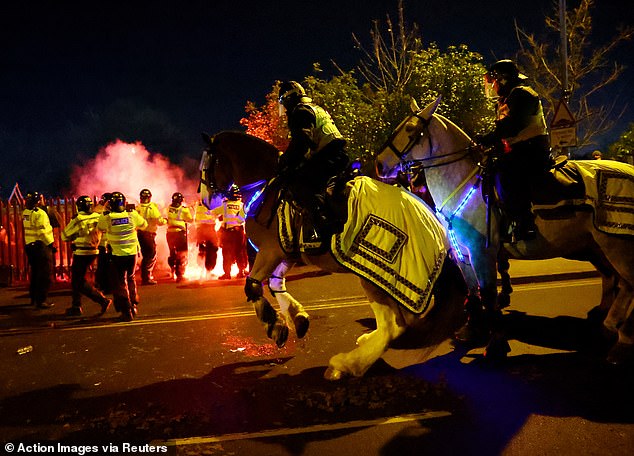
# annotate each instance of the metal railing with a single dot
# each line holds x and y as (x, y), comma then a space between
(14, 267)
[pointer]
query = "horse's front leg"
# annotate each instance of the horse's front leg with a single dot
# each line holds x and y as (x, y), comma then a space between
(288, 304)
(274, 322)
(389, 326)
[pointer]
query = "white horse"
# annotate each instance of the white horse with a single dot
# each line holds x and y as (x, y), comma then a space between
(249, 163)
(597, 226)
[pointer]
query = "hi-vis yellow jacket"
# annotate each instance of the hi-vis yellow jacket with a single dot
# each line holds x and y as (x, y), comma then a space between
(231, 213)
(178, 218)
(121, 229)
(37, 226)
(84, 234)
(151, 213)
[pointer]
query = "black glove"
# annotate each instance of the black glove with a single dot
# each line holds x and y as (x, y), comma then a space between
(487, 140)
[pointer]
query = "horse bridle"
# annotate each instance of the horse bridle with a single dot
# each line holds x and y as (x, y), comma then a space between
(408, 166)
(212, 185)
(210, 174)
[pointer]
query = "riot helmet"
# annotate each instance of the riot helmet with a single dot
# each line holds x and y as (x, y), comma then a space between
(145, 196)
(177, 199)
(105, 197)
(117, 202)
(84, 204)
(505, 73)
(234, 193)
(291, 93)
(33, 199)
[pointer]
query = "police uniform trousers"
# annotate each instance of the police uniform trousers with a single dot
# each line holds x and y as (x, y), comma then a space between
(40, 258)
(177, 260)
(123, 282)
(312, 178)
(147, 241)
(516, 172)
(234, 248)
(79, 282)
(207, 245)
(103, 273)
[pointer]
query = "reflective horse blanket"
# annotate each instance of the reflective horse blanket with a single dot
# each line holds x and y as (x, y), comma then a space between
(613, 195)
(392, 239)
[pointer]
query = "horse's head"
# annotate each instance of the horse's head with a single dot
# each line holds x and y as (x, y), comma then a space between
(232, 157)
(216, 177)
(405, 140)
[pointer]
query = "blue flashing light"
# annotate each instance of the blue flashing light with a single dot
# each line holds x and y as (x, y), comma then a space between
(252, 201)
(450, 231)
(255, 247)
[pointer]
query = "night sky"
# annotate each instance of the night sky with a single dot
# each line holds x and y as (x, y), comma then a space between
(78, 75)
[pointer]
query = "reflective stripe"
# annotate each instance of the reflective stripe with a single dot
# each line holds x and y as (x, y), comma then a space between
(151, 213)
(121, 228)
(177, 218)
(37, 226)
(325, 129)
(83, 232)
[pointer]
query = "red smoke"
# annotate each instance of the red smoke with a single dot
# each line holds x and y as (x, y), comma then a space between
(129, 168)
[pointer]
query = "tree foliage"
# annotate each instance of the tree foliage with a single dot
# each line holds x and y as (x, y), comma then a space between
(589, 69)
(395, 68)
(623, 148)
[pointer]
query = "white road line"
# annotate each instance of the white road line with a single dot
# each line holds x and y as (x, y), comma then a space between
(337, 303)
(282, 432)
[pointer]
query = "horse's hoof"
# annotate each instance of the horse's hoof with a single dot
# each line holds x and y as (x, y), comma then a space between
(609, 334)
(301, 323)
(363, 338)
(497, 350)
(620, 354)
(279, 335)
(333, 374)
(472, 335)
(596, 315)
(503, 300)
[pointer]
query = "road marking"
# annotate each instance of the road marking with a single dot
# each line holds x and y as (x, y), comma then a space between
(318, 305)
(282, 432)
(322, 304)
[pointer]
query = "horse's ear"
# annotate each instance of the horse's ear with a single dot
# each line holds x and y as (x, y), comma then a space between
(430, 109)
(413, 105)
(207, 139)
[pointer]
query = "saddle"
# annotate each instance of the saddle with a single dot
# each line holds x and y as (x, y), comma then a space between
(314, 230)
(562, 183)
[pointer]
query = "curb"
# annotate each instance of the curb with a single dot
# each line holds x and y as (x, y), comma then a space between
(519, 280)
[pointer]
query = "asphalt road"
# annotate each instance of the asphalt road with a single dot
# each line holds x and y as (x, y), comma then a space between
(196, 374)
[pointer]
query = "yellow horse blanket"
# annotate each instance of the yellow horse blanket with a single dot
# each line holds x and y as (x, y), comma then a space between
(394, 240)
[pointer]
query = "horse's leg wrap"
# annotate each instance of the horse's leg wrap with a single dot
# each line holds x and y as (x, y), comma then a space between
(253, 289)
(289, 305)
(274, 322)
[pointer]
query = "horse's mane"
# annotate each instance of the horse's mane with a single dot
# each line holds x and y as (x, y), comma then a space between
(246, 143)
(452, 125)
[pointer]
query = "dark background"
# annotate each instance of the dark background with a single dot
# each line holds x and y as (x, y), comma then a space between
(78, 75)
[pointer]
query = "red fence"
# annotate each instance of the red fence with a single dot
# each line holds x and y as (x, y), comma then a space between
(13, 262)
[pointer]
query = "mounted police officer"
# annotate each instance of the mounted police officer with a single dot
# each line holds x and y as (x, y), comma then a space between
(314, 155)
(521, 135)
